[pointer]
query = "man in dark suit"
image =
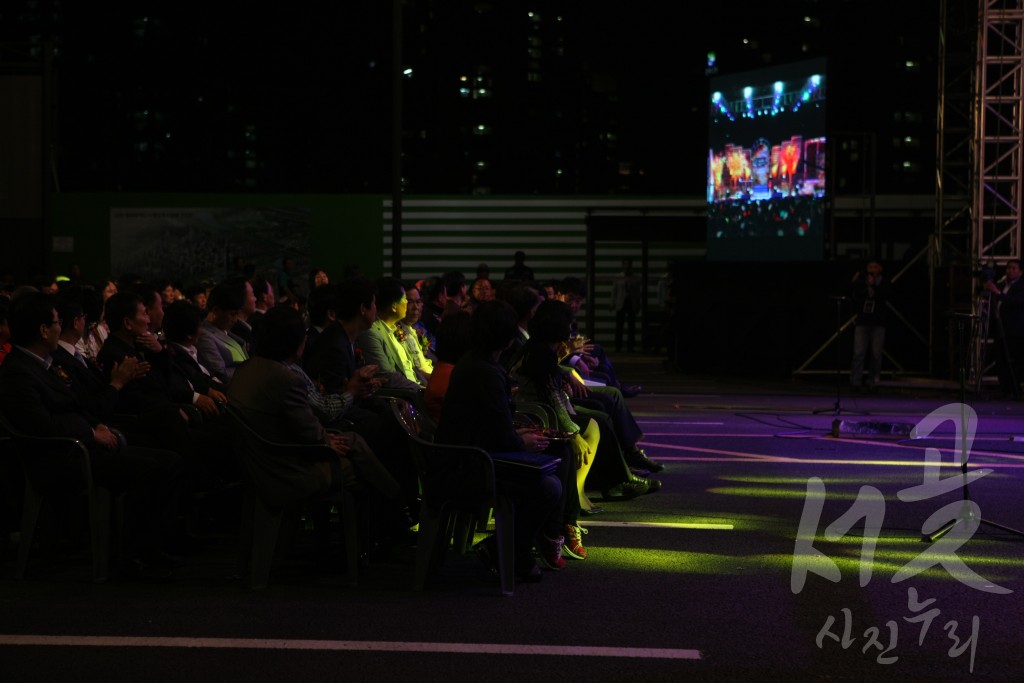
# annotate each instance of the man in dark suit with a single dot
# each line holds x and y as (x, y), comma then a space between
(264, 292)
(181, 329)
(130, 336)
(160, 403)
(99, 397)
(869, 292)
(320, 307)
(330, 361)
(36, 395)
(1009, 299)
(524, 301)
(272, 400)
(330, 358)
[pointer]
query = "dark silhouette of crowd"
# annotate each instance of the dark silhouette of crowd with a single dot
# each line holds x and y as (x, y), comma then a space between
(145, 374)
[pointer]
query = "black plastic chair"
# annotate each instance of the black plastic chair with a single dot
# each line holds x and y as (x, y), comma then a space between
(536, 414)
(56, 467)
(262, 519)
(444, 514)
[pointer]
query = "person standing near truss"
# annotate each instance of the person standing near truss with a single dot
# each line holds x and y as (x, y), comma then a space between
(1008, 295)
(870, 292)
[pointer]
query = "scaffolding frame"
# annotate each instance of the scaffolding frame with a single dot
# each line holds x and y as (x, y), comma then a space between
(999, 148)
(997, 179)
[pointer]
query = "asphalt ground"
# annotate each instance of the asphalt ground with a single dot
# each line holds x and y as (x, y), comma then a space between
(700, 581)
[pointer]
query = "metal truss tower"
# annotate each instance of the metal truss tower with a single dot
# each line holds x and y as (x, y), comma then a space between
(998, 132)
(980, 186)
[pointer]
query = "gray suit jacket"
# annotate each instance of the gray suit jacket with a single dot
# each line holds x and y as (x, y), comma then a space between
(378, 349)
(214, 352)
(272, 400)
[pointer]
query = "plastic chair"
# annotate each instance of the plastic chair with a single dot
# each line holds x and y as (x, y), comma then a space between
(443, 513)
(534, 413)
(55, 466)
(262, 518)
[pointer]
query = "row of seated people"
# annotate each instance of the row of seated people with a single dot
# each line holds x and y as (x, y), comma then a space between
(451, 292)
(355, 322)
(149, 398)
(363, 340)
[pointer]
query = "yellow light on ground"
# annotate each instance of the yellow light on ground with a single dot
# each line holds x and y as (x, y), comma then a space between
(779, 492)
(664, 525)
(852, 480)
(885, 565)
(904, 549)
(685, 562)
(655, 560)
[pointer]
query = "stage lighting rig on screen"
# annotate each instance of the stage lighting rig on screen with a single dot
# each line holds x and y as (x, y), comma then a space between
(766, 165)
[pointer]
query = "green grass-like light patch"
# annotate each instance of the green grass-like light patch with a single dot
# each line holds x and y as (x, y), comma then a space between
(779, 492)
(852, 480)
(657, 560)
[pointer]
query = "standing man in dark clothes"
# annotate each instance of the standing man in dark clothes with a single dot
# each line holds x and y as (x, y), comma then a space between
(1009, 298)
(870, 293)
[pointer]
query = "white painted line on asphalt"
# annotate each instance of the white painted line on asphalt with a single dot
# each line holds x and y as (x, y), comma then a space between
(692, 435)
(351, 645)
(665, 525)
(676, 422)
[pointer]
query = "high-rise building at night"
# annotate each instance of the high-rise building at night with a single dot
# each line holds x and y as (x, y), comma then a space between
(497, 98)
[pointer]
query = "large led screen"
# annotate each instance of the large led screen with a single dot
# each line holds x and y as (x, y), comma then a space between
(766, 164)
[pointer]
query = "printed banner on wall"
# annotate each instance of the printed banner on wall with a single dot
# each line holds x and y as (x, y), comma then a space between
(209, 244)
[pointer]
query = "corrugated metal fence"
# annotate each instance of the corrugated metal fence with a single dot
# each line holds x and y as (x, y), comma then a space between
(440, 235)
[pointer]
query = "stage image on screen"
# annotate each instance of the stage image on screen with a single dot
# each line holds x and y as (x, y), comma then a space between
(766, 164)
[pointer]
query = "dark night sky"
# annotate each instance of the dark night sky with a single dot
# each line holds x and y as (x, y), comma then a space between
(312, 79)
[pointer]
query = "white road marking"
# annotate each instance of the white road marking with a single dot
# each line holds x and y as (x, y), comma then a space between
(351, 645)
(676, 422)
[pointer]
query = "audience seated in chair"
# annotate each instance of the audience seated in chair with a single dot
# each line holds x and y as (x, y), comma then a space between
(220, 349)
(96, 329)
(331, 361)
(585, 356)
(35, 395)
(273, 399)
(380, 345)
(456, 292)
(155, 390)
(265, 299)
(182, 321)
(435, 297)
(477, 412)
(101, 398)
(243, 325)
(617, 450)
(541, 379)
(341, 313)
(524, 300)
(161, 408)
(332, 409)
(453, 341)
(415, 337)
(211, 462)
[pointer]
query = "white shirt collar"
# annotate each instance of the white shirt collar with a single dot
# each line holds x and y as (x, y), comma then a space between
(70, 348)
